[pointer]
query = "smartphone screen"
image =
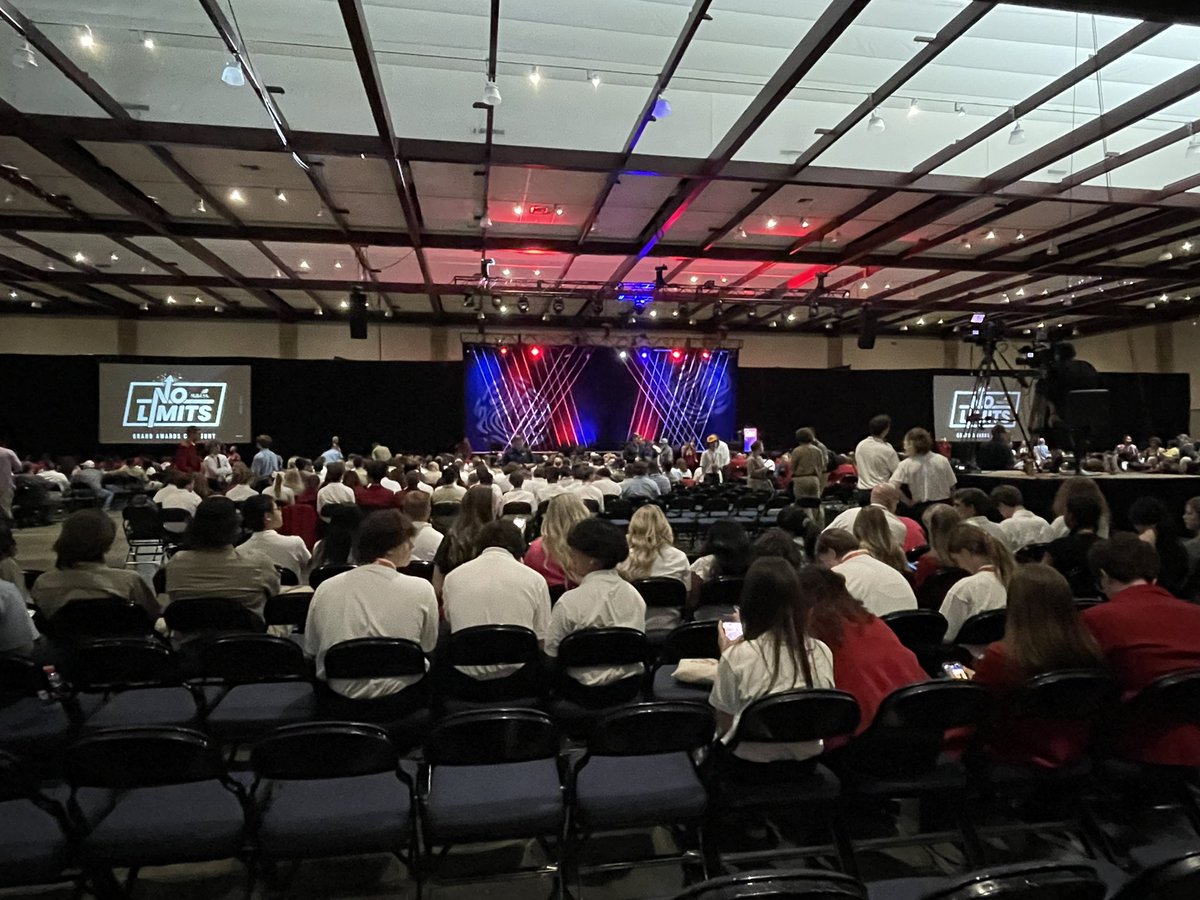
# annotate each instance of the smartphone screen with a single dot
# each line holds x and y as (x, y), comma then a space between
(956, 671)
(733, 630)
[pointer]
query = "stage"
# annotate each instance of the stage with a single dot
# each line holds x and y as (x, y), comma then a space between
(1119, 490)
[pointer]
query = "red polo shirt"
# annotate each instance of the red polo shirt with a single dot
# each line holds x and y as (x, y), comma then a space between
(1146, 633)
(187, 457)
(376, 496)
(870, 663)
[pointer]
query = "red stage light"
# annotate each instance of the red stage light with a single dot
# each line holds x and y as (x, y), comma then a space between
(535, 352)
(676, 355)
(504, 351)
(704, 354)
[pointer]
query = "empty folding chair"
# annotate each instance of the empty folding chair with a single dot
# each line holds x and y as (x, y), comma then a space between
(170, 799)
(666, 599)
(779, 884)
(175, 524)
(1020, 881)
(493, 775)
(718, 597)
(694, 640)
(982, 629)
(442, 515)
(921, 631)
(332, 789)
(575, 704)
(405, 711)
(639, 770)
(143, 533)
(32, 724)
(289, 608)
(321, 573)
(418, 569)
(508, 659)
(517, 508)
(35, 845)
(131, 681)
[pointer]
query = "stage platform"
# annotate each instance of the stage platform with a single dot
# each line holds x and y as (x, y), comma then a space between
(1119, 490)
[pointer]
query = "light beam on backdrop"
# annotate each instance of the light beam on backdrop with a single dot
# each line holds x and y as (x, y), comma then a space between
(530, 392)
(676, 397)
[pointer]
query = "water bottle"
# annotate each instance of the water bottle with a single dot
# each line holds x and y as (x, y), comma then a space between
(55, 681)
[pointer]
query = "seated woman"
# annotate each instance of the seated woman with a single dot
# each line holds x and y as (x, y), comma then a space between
(462, 538)
(653, 554)
(279, 490)
(868, 659)
(776, 653)
(1156, 526)
(603, 599)
(1044, 633)
(939, 520)
(549, 554)
(875, 536)
(989, 565)
(239, 484)
(262, 516)
(727, 554)
(1068, 554)
(80, 572)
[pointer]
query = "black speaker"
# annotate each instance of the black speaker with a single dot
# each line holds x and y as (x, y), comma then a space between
(866, 337)
(358, 315)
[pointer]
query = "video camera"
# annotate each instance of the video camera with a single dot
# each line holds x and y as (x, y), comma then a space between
(983, 332)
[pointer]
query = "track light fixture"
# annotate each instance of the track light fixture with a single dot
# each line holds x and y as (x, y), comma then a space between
(148, 43)
(914, 107)
(875, 124)
(280, 195)
(960, 110)
(491, 94)
(232, 74)
(594, 78)
(1017, 135)
(662, 109)
(25, 58)
(535, 76)
(523, 304)
(557, 306)
(87, 40)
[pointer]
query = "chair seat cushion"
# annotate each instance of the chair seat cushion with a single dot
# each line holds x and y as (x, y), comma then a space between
(618, 791)
(333, 816)
(906, 888)
(33, 849)
(817, 785)
(146, 706)
(667, 687)
(29, 726)
(171, 824)
(494, 801)
(948, 775)
(251, 708)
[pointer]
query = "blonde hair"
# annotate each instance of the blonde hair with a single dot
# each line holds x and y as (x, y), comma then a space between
(973, 539)
(875, 536)
(293, 479)
(563, 513)
(940, 520)
(648, 532)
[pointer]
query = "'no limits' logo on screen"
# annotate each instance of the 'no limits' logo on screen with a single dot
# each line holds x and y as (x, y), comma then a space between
(173, 402)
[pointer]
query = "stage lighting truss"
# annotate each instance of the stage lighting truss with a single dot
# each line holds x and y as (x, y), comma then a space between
(547, 341)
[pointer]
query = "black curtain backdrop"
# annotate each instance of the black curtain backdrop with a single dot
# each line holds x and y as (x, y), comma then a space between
(48, 403)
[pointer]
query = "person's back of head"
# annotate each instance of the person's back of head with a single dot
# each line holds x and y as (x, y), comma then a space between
(835, 543)
(972, 502)
(967, 538)
(772, 605)
(256, 512)
(794, 519)
(729, 543)
(263, 441)
(940, 520)
(636, 469)
(1043, 631)
(486, 478)
(1148, 512)
(1083, 513)
(381, 533)
(449, 477)
(417, 506)
(1007, 495)
(376, 471)
(582, 472)
(875, 536)
(600, 541)
(999, 433)
(918, 442)
(502, 534)
(552, 475)
(86, 536)
(214, 525)
(778, 543)
(516, 480)
(879, 426)
(181, 480)
(604, 472)
(886, 495)
(412, 482)
(1123, 559)
(832, 604)
(805, 436)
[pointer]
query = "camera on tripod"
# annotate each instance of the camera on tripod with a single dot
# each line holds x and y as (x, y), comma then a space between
(983, 332)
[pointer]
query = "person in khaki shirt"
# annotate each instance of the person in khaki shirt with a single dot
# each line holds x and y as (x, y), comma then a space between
(213, 567)
(80, 572)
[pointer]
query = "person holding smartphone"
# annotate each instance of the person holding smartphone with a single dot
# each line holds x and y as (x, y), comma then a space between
(774, 653)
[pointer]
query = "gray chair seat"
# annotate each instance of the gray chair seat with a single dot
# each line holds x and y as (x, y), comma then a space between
(29, 726)
(907, 888)
(333, 816)
(248, 709)
(174, 823)
(711, 613)
(147, 706)
(818, 785)
(665, 687)
(619, 791)
(33, 848)
(471, 802)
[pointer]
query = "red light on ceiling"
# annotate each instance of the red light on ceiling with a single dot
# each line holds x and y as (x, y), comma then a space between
(704, 354)
(504, 351)
(676, 355)
(535, 352)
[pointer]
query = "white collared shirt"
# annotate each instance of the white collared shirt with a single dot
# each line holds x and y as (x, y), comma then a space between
(989, 526)
(285, 551)
(972, 595)
(602, 600)
(334, 492)
(608, 487)
(847, 519)
(426, 542)
(929, 476)
(1025, 528)
(391, 484)
(879, 587)
(522, 496)
(876, 460)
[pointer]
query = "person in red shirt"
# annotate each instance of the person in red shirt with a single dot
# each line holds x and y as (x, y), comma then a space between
(1043, 633)
(868, 659)
(375, 495)
(187, 457)
(1145, 633)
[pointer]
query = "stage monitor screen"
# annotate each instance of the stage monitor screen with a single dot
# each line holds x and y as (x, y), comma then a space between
(963, 411)
(155, 403)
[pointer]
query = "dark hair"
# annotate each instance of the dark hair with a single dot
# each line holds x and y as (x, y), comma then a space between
(1149, 511)
(918, 440)
(637, 468)
(376, 471)
(179, 478)
(1083, 512)
(334, 472)
(417, 506)
(839, 540)
(344, 519)
(600, 540)
(792, 518)
(485, 477)
(449, 476)
(832, 604)
(772, 603)
(974, 498)
(1043, 631)
(214, 525)
(1007, 495)
(255, 511)
(263, 441)
(878, 425)
(973, 539)
(85, 537)
(874, 535)
(381, 532)
(516, 479)
(463, 536)
(730, 544)
(411, 482)
(776, 542)
(805, 436)
(503, 534)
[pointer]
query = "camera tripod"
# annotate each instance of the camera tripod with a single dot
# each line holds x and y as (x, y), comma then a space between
(982, 414)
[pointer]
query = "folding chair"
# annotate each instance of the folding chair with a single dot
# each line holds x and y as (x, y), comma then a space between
(35, 838)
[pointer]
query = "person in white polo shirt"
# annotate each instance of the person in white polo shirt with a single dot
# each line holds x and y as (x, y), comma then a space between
(973, 505)
(990, 567)
(262, 516)
(517, 492)
(874, 458)
(333, 491)
(1020, 526)
(876, 585)
(427, 538)
(373, 600)
(884, 497)
(496, 588)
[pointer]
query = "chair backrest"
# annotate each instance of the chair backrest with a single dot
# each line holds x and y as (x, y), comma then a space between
(313, 750)
(119, 663)
(418, 569)
(662, 592)
(97, 617)
(1178, 879)
(321, 573)
(917, 627)
(983, 628)
(556, 591)
(244, 658)
(290, 608)
(603, 647)
(933, 589)
(491, 645)
(779, 884)
(692, 640)
(1036, 881)
(174, 516)
(141, 523)
(593, 505)
(721, 591)
(1066, 695)
(374, 657)
(287, 577)
(1174, 697)
(617, 507)
(489, 737)
(20, 676)
(198, 614)
(798, 715)
(642, 729)
(147, 756)
(517, 508)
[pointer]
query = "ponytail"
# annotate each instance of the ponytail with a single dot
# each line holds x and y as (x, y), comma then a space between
(973, 539)
(278, 488)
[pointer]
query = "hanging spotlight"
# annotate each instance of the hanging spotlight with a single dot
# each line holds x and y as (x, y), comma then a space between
(345, 304)
(535, 76)
(990, 236)
(79, 257)
(87, 40)
(742, 233)
(1017, 135)
(693, 279)
(518, 209)
(559, 210)
(1193, 145)
(960, 110)
(506, 272)
(200, 207)
(170, 300)
(662, 108)
(491, 94)
(537, 273)
(1052, 249)
(653, 313)
(558, 306)
(232, 74)
(8, 198)
(523, 304)
(198, 300)
(804, 223)
(12, 295)
(112, 257)
(791, 317)
(485, 222)
(1186, 246)
(771, 222)
(337, 263)
(236, 196)
(876, 125)
(280, 195)
(25, 58)
(304, 265)
(1166, 256)
(865, 286)
(468, 301)
(914, 108)
(594, 78)
(1020, 236)
(966, 243)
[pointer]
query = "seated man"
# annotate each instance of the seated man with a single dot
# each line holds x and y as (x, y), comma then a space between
(373, 600)
(1145, 633)
(996, 454)
(887, 497)
(178, 493)
(495, 588)
(872, 582)
(638, 484)
(375, 495)
(90, 478)
(261, 515)
(426, 539)
(517, 492)
(973, 505)
(1020, 526)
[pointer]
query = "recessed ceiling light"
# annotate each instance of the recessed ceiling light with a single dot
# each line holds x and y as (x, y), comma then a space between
(518, 210)
(693, 279)
(304, 265)
(236, 196)
(594, 78)
(558, 210)
(771, 222)
(87, 40)
(148, 42)
(79, 257)
(535, 76)
(280, 195)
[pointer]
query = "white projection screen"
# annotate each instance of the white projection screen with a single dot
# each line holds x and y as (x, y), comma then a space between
(953, 408)
(155, 403)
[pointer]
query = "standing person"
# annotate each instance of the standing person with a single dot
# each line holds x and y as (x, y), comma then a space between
(714, 460)
(872, 582)
(989, 568)
(638, 448)
(187, 455)
(380, 452)
(927, 476)
(518, 452)
(10, 465)
(808, 466)
(266, 461)
(687, 453)
(1191, 522)
(262, 517)
(216, 467)
(758, 473)
(549, 555)
(874, 458)
(334, 453)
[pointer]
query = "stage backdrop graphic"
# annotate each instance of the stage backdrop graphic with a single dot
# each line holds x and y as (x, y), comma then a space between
(963, 413)
(597, 396)
(154, 403)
